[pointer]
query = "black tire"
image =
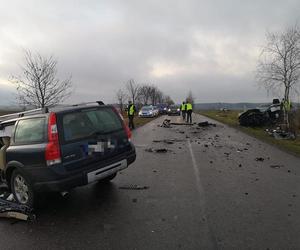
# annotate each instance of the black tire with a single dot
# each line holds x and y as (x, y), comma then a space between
(108, 178)
(22, 189)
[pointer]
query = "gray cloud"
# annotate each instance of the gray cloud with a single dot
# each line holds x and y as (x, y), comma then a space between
(209, 47)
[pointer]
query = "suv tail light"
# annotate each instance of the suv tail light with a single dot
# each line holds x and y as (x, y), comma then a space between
(127, 130)
(52, 154)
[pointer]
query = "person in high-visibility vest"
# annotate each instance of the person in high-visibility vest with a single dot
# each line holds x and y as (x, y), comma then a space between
(183, 110)
(287, 105)
(130, 113)
(189, 111)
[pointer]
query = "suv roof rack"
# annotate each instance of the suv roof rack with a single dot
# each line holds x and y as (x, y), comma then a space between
(43, 110)
(24, 113)
(87, 103)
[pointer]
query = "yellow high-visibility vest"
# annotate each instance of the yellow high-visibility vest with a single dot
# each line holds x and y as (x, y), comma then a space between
(287, 106)
(189, 106)
(182, 107)
(131, 110)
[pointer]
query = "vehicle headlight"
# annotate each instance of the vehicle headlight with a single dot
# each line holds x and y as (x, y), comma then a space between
(140, 112)
(169, 110)
(178, 109)
(165, 108)
(150, 112)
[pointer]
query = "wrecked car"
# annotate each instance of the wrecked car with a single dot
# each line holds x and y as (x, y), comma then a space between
(264, 115)
(60, 148)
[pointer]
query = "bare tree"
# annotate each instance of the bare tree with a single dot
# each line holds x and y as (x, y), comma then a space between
(168, 100)
(133, 90)
(278, 68)
(145, 93)
(38, 85)
(156, 95)
(159, 97)
(190, 97)
(121, 96)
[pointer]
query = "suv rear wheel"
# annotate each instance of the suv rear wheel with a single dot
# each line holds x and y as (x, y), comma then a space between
(21, 188)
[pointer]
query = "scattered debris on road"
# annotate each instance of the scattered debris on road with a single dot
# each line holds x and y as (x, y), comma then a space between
(134, 187)
(276, 166)
(9, 209)
(206, 124)
(168, 141)
(259, 159)
(166, 123)
(181, 123)
(164, 141)
(280, 134)
(157, 150)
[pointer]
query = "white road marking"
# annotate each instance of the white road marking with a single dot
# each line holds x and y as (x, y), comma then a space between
(202, 195)
(196, 170)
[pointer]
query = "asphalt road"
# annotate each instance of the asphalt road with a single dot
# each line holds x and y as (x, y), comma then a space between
(215, 188)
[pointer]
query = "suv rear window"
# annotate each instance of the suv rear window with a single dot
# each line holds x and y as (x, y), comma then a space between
(85, 123)
(30, 131)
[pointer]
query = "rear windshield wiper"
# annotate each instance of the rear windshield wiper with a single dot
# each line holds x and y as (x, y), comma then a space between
(96, 132)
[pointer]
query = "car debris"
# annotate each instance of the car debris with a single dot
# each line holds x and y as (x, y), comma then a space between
(166, 123)
(157, 150)
(280, 134)
(259, 159)
(276, 166)
(164, 141)
(181, 123)
(206, 124)
(168, 141)
(134, 187)
(9, 209)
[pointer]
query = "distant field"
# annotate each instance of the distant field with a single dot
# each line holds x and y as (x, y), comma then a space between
(231, 118)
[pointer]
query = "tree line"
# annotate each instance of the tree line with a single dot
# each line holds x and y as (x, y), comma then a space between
(141, 94)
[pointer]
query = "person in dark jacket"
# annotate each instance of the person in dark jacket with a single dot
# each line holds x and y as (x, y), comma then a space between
(130, 112)
(189, 111)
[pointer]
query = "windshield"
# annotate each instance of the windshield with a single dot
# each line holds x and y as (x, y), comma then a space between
(85, 123)
(146, 108)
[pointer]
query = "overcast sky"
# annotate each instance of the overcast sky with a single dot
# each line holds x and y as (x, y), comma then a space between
(209, 47)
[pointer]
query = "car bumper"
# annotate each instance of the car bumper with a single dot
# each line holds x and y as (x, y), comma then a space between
(84, 177)
(148, 115)
(174, 113)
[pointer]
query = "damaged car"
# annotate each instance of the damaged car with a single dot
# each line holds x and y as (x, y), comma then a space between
(57, 149)
(261, 116)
